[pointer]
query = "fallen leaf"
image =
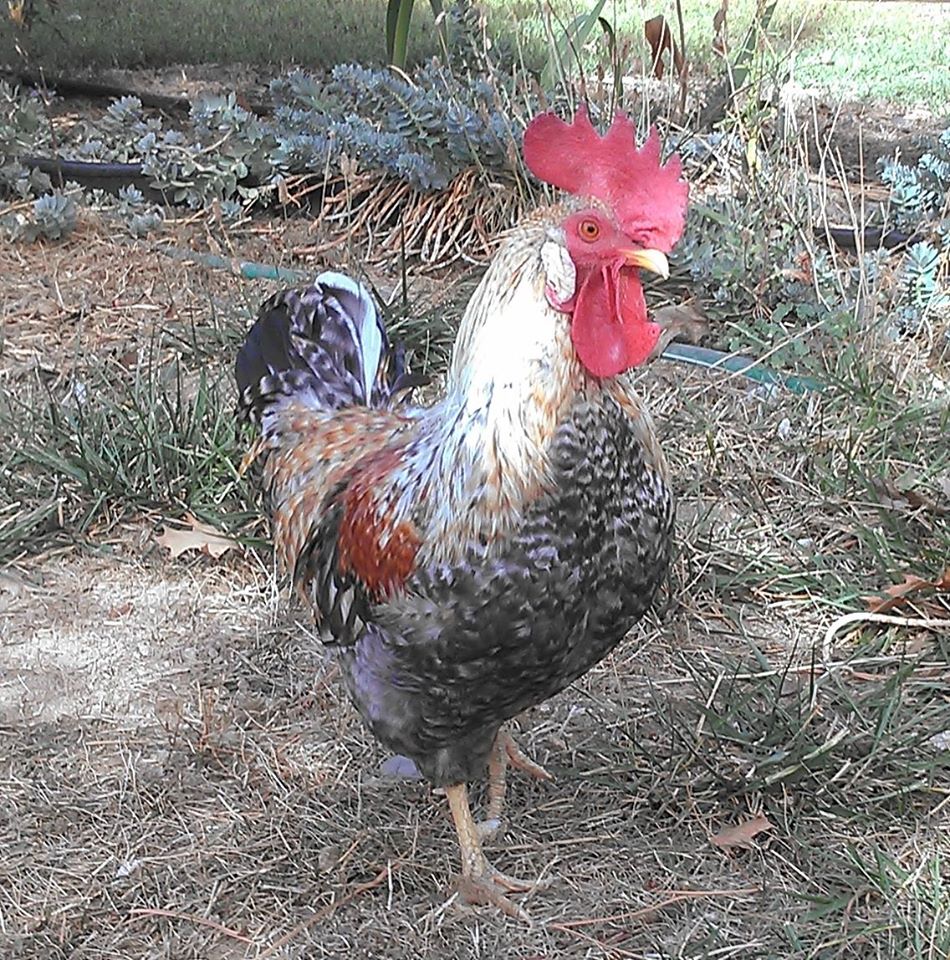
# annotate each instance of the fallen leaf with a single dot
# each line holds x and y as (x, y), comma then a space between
(14, 583)
(196, 536)
(899, 593)
(660, 38)
(742, 834)
(678, 321)
(14, 589)
(243, 102)
(892, 497)
(329, 857)
(803, 272)
(910, 584)
(720, 44)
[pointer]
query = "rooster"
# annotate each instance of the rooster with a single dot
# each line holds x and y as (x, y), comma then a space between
(469, 560)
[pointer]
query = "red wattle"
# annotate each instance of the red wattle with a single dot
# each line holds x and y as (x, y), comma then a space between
(610, 329)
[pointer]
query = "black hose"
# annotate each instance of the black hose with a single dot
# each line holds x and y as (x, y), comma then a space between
(71, 86)
(111, 177)
(872, 238)
(105, 175)
(77, 169)
(67, 86)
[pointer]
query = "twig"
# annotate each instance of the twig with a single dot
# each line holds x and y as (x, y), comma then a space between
(684, 73)
(676, 897)
(325, 912)
(608, 949)
(189, 918)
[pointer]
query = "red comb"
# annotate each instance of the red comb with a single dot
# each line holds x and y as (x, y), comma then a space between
(649, 200)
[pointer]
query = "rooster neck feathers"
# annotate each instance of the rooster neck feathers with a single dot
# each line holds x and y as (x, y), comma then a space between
(513, 376)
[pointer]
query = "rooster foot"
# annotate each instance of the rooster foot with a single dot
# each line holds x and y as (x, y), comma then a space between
(480, 882)
(520, 760)
(505, 752)
(490, 887)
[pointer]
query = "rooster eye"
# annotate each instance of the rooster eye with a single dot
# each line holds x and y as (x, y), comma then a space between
(589, 230)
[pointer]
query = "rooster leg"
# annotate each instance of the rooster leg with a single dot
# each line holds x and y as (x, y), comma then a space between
(491, 826)
(521, 761)
(504, 752)
(480, 882)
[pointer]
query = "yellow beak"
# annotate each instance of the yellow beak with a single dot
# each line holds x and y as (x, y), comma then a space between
(652, 260)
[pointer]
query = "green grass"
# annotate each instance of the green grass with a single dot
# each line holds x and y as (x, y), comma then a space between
(889, 52)
(143, 33)
(156, 438)
(791, 513)
(80, 454)
(860, 50)
(842, 767)
(731, 709)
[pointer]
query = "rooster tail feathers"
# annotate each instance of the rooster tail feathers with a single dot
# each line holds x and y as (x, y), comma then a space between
(325, 345)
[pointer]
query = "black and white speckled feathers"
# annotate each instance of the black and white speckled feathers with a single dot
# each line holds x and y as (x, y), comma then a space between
(471, 644)
(325, 344)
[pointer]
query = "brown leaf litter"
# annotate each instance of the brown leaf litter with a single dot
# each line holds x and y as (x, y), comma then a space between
(900, 594)
(197, 536)
(741, 835)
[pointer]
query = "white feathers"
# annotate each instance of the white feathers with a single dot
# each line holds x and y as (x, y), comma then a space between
(513, 343)
(512, 366)
(560, 270)
(357, 309)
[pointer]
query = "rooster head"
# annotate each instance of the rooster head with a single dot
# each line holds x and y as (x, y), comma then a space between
(626, 213)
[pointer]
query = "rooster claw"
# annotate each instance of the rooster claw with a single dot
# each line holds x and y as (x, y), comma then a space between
(491, 888)
(480, 882)
(521, 761)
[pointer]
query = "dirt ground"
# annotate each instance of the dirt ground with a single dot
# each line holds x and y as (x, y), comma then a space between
(188, 781)
(181, 775)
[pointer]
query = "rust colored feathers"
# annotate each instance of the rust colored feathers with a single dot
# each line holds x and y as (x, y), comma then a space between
(373, 544)
(324, 461)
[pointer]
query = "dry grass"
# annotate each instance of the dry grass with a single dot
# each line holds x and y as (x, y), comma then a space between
(182, 776)
(208, 791)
